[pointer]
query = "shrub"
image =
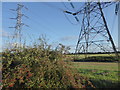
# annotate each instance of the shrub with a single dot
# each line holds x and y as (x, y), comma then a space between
(39, 67)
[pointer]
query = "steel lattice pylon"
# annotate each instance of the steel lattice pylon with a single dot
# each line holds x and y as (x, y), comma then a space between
(18, 27)
(94, 34)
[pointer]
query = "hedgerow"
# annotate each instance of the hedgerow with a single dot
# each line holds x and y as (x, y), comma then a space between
(39, 66)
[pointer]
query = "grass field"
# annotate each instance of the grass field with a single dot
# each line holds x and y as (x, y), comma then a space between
(96, 65)
(102, 74)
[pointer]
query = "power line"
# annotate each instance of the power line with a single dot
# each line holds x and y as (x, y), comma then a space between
(113, 23)
(53, 6)
(68, 12)
(70, 20)
(40, 24)
(63, 3)
(88, 26)
(60, 9)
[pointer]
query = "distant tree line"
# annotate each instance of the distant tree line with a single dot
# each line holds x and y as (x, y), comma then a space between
(94, 53)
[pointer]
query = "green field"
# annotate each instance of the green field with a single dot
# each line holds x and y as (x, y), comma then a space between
(102, 74)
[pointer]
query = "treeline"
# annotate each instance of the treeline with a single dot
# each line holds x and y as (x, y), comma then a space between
(94, 53)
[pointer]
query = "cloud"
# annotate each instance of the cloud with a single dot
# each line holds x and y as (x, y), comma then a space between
(69, 38)
(4, 33)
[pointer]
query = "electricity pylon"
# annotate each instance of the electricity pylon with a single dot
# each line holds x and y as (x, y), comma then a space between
(19, 24)
(94, 34)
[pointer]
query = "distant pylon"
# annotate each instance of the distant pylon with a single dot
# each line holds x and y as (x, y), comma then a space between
(19, 24)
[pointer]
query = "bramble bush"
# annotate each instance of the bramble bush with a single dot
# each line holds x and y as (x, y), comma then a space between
(39, 66)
